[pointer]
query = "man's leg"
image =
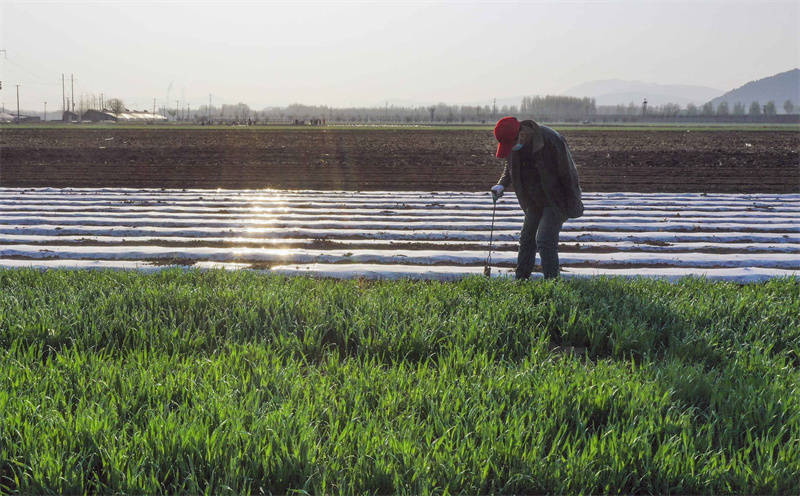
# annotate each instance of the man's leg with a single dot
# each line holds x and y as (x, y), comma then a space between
(549, 228)
(526, 258)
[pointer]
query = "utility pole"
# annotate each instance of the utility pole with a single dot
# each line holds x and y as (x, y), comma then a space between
(187, 112)
(209, 107)
(177, 111)
(494, 109)
(102, 104)
(154, 109)
(63, 96)
(45, 111)
(17, 101)
(72, 80)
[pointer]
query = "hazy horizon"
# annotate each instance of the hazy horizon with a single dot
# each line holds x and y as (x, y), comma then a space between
(350, 54)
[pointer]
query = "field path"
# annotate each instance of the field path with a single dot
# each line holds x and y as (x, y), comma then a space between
(435, 235)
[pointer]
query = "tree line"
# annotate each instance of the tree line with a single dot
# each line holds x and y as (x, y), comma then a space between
(553, 108)
(707, 109)
(547, 108)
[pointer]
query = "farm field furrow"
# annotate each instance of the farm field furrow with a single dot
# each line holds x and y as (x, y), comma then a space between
(375, 159)
(386, 234)
(590, 246)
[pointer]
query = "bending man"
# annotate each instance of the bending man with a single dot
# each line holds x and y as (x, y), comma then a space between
(545, 180)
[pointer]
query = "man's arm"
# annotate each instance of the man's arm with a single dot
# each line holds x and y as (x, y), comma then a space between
(505, 179)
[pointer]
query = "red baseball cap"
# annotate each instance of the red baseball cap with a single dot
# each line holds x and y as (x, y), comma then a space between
(506, 131)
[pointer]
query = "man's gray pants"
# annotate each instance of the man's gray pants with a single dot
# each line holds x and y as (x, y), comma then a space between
(540, 230)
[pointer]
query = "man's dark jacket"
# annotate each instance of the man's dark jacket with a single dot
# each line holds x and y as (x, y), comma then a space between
(556, 171)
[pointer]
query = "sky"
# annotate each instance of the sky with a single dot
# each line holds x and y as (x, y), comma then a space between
(348, 54)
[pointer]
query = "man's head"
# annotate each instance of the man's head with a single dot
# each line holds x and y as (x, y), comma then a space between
(512, 134)
(507, 133)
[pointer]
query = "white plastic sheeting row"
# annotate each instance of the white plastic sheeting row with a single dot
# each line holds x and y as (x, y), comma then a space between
(441, 235)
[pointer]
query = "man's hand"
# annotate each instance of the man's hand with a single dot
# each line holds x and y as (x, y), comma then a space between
(497, 192)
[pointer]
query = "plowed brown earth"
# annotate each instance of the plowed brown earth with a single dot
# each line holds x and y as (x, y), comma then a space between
(387, 159)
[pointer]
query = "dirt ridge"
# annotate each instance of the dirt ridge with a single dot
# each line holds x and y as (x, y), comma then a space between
(387, 159)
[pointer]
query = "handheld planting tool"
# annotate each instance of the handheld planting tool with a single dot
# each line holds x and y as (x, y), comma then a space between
(487, 269)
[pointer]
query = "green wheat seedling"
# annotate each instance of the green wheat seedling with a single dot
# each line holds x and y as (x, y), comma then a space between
(234, 382)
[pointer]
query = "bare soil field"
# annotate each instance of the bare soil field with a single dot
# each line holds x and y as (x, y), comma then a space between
(730, 161)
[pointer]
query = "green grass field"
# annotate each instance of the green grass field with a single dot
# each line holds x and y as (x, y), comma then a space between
(215, 382)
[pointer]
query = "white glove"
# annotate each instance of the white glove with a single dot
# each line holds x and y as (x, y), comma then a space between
(497, 191)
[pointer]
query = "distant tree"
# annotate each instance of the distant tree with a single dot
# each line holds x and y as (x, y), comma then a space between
(769, 108)
(755, 108)
(723, 109)
(442, 112)
(691, 109)
(241, 111)
(633, 109)
(468, 112)
(671, 109)
(89, 102)
(524, 105)
(738, 108)
(116, 105)
(558, 107)
(788, 106)
(708, 109)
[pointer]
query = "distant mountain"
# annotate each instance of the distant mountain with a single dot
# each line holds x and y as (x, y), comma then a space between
(778, 88)
(617, 91)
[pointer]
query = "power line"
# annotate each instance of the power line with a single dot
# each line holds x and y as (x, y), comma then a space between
(27, 80)
(42, 80)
